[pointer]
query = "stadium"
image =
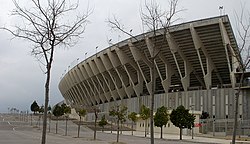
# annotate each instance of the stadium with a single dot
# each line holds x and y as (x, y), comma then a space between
(196, 66)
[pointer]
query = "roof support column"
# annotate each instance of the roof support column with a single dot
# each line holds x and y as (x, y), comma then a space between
(114, 75)
(84, 95)
(185, 80)
(81, 94)
(210, 66)
(139, 56)
(138, 86)
(153, 53)
(92, 71)
(226, 41)
(108, 66)
(85, 76)
(89, 74)
(169, 73)
(75, 100)
(73, 83)
(101, 79)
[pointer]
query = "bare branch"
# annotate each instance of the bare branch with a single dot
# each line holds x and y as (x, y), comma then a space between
(243, 33)
(116, 25)
(45, 27)
(154, 18)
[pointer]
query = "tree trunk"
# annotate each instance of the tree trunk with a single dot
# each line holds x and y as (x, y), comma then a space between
(121, 128)
(49, 121)
(180, 133)
(79, 124)
(235, 116)
(145, 128)
(31, 119)
(66, 128)
(152, 99)
(95, 125)
(46, 100)
(132, 128)
(111, 126)
(56, 124)
(237, 108)
(39, 121)
(117, 138)
(161, 132)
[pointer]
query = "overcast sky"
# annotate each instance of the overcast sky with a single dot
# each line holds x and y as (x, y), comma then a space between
(21, 79)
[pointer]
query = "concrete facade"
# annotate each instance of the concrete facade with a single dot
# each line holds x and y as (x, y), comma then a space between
(195, 66)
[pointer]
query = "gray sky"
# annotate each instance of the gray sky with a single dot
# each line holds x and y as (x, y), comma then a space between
(21, 79)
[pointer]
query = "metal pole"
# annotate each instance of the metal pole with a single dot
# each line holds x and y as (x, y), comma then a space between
(226, 127)
(213, 126)
(152, 99)
(192, 126)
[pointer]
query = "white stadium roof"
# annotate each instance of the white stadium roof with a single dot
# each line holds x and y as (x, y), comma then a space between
(200, 53)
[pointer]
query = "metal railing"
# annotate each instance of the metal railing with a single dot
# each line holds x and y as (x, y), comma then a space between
(224, 127)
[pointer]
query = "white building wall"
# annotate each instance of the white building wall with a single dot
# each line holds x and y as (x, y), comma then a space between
(169, 128)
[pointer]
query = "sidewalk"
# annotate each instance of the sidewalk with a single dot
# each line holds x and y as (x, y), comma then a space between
(138, 137)
(172, 137)
(27, 134)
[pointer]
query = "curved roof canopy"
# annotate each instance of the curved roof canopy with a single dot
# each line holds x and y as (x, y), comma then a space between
(199, 54)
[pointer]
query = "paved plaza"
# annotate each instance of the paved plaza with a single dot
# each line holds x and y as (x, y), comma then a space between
(14, 129)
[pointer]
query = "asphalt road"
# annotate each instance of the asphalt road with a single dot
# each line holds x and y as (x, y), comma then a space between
(14, 130)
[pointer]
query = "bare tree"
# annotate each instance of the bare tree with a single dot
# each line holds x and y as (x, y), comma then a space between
(96, 110)
(44, 25)
(243, 35)
(119, 113)
(153, 18)
(81, 112)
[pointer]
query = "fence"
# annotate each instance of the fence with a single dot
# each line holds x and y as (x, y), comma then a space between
(224, 127)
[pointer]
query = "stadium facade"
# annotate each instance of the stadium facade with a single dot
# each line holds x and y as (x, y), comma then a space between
(196, 66)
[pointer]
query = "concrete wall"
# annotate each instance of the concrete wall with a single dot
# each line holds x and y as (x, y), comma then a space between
(219, 103)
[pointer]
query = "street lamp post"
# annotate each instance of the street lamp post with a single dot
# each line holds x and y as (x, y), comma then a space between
(192, 130)
(86, 55)
(96, 50)
(192, 126)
